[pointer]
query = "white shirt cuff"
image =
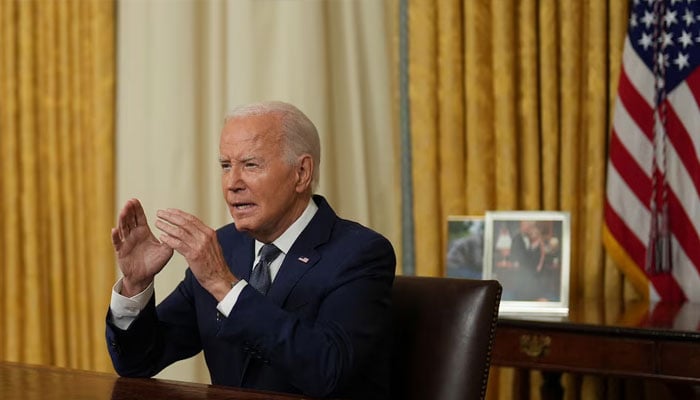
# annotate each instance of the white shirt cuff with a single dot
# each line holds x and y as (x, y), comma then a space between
(125, 310)
(226, 305)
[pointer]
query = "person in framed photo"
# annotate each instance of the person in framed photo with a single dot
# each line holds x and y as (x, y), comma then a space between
(552, 264)
(535, 256)
(465, 255)
(527, 259)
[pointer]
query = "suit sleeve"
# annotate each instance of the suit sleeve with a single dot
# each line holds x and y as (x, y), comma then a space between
(320, 354)
(153, 341)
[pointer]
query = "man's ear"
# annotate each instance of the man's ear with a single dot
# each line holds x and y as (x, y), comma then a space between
(305, 172)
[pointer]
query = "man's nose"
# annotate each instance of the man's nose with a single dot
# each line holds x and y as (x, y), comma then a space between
(233, 179)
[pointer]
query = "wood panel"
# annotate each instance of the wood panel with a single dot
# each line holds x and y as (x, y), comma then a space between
(573, 352)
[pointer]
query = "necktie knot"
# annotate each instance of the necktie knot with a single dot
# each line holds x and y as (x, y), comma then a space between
(260, 278)
(269, 252)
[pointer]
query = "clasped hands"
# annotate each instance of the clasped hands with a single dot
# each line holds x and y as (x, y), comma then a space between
(141, 256)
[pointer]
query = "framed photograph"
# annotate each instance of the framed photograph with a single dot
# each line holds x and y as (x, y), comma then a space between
(528, 253)
(465, 247)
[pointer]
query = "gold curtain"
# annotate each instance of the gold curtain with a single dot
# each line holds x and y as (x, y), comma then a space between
(56, 180)
(510, 109)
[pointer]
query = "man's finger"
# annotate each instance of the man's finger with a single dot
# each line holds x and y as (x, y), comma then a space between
(187, 217)
(122, 222)
(176, 244)
(187, 222)
(174, 231)
(172, 217)
(139, 216)
(116, 239)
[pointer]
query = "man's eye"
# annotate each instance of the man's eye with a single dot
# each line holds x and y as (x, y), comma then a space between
(225, 166)
(251, 165)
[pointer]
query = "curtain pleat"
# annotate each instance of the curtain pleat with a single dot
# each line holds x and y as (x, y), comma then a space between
(479, 112)
(9, 193)
(426, 179)
(526, 103)
(570, 84)
(548, 95)
(508, 147)
(450, 112)
(57, 186)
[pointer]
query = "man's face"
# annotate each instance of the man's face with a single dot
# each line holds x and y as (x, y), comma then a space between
(264, 193)
(526, 226)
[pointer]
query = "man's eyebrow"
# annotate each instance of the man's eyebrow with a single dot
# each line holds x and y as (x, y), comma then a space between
(242, 160)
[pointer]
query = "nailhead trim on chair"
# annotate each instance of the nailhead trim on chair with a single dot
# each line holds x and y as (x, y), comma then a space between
(492, 336)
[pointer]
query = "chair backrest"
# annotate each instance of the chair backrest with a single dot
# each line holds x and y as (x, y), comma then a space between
(443, 334)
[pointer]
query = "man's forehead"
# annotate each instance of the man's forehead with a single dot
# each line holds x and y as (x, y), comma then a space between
(248, 145)
(244, 145)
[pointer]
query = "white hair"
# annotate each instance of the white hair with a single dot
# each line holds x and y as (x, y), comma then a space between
(298, 132)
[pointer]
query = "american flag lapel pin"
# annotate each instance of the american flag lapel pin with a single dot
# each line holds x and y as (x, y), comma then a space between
(304, 259)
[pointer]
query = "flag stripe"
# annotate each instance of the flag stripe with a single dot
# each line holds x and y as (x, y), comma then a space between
(684, 231)
(684, 148)
(632, 138)
(626, 237)
(693, 84)
(628, 169)
(631, 270)
(688, 279)
(685, 102)
(632, 100)
(638, 73)
(681, 184)
(666, 284)
(627, 207)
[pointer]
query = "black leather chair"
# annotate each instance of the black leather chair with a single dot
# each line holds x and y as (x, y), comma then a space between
(443, 333)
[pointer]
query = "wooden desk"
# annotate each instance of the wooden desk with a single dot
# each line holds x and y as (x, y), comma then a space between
(30, 382)
(657, 341)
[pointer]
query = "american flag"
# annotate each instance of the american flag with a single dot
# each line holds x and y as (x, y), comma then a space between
(652, 208)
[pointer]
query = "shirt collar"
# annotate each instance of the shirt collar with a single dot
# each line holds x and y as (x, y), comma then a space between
(285, 241)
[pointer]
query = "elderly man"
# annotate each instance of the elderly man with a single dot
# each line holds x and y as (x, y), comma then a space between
(288, 298)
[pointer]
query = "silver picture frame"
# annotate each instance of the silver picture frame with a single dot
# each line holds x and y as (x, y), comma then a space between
(528, 252)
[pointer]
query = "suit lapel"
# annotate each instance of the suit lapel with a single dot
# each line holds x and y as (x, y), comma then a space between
(295, 265)
(303, 255)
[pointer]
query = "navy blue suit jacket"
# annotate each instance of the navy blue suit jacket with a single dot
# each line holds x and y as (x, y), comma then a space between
(322, 330)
